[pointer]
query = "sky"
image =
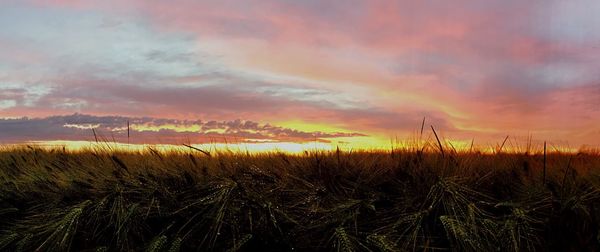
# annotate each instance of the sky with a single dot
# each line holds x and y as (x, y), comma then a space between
(351, 72)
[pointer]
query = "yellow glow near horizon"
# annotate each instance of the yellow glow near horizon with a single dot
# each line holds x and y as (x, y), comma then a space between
(310, 127)
(295, 148)
(344, 143)
(287, 147)
(361, 143)
(369, 142)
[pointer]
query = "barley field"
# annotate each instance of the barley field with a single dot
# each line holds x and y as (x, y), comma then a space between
(401, 200)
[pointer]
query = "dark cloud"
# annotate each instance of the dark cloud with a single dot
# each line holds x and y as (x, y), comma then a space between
(212, 94)
(15, 94)
(151, 130)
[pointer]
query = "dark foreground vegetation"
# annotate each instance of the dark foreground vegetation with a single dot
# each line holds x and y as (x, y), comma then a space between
(98, 200)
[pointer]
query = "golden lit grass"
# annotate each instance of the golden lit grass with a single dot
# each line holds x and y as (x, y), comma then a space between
(413, 198)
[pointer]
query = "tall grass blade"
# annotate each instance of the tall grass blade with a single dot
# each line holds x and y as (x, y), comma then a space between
(438, 141)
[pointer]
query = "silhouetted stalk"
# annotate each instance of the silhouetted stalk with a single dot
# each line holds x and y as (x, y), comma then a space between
(438, 140)
(95, 136)
(544, 177)
(503, 143)
(127, 131)
(198, 149)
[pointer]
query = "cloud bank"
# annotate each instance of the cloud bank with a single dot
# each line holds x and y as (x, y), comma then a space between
(147, 130)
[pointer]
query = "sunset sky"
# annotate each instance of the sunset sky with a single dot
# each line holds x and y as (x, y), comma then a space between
(345, 72)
